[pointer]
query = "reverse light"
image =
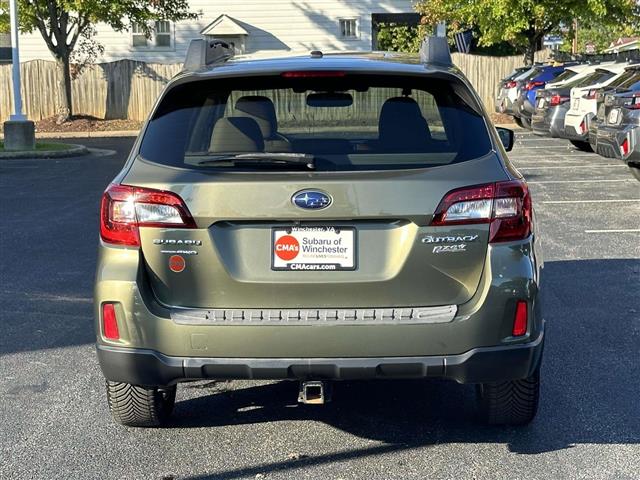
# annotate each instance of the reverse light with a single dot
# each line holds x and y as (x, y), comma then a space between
(124, 209)
(109, 322)
(558, 100)
(506, 206)
(520, 319)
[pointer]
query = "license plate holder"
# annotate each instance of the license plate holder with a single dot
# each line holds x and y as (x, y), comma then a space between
(614, 116)
(313, 248)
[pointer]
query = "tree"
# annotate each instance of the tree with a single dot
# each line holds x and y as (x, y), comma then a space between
(523, 23)
(68, 28)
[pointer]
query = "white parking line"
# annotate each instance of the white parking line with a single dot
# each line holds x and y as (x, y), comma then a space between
(607, 165)
(593, 201)
(583, 181)
(626, 230)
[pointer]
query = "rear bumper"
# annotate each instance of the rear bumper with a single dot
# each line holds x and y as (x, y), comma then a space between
(576, 127)
(549, 122)
(609, 140)
(479, 365)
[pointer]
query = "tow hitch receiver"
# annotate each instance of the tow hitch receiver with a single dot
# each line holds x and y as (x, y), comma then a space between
(314, 392)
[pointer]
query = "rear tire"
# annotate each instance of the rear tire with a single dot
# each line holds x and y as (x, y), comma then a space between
(137, 406)
(513, 402)
(518, 122)
(582, 146)
(635, 171)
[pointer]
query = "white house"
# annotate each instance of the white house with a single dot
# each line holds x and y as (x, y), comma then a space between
(251, 26)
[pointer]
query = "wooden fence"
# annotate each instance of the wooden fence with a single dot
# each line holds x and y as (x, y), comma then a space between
(128, 89)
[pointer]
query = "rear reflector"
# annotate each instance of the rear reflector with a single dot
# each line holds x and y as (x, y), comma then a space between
(624, 147)
(124, 209)
(520, 319)
(109, 322)
(314, 74)
(504, 205)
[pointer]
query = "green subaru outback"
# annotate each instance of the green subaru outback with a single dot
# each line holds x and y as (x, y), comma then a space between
(318, 218)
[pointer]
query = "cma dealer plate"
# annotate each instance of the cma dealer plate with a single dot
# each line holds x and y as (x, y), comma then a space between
(313, 248)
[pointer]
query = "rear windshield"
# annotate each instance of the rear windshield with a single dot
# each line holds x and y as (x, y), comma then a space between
(566, 75)
(345, 122)
(629, 80)
(594, 78)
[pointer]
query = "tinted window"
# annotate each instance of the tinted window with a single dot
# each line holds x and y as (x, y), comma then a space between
(566, 75)
(346, 123)
(629, 80)
(598, 76)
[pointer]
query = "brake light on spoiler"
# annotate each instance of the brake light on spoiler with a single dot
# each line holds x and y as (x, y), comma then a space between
(506, 206)
(124, 209)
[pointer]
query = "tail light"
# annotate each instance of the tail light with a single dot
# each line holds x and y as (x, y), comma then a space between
(633, 103)
(558, 100)
(520, 319)
(110, 322)
(124, 209)
(591, 94)
(583, 127)
(510, 84)
(506, 206)
(532, 85)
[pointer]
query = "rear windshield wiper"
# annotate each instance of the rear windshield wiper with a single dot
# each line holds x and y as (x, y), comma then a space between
(257, 158)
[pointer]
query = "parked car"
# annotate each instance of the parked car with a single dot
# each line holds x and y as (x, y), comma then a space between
(506, 85)
(552, 102)
(584, 106)
(525, 104)
(318, 218)
(623, 83)
(618, 133)
(512, 92)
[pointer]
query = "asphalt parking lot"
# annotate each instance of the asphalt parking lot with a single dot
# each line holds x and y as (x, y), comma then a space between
(53, 413)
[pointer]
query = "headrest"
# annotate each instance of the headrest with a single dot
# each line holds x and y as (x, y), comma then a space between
(401, 125)
(236, 135)
(399, 107)
(261, 109)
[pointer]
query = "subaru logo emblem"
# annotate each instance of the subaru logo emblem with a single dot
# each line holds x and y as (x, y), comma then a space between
(311, 200)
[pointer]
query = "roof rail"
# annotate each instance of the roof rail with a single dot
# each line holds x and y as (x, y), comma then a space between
(202, 53)
(435, 50)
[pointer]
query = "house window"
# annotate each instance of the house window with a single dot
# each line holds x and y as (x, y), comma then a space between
(348, 28)
(138, 37)
(161, 36)
(163, 33)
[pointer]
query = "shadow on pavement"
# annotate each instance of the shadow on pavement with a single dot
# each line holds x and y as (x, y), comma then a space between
(589, 391)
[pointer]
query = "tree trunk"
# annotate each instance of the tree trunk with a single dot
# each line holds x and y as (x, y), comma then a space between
(530, 52)
(65, 108)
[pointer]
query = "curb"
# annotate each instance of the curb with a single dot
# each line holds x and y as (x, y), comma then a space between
(74, 151)
(86, 134)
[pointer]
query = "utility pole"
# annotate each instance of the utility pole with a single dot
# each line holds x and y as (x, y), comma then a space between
(19, 133)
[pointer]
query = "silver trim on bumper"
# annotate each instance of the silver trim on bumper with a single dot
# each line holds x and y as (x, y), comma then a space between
(341, 316)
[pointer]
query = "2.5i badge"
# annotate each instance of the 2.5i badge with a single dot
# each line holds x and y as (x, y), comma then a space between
(449, 243)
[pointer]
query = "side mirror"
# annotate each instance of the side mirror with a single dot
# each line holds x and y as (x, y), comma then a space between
(506, 137)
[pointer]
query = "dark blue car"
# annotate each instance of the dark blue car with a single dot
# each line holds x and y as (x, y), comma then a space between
(546, 74)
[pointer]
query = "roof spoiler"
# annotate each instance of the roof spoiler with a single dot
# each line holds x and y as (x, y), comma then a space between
(435, 50)
(203, 53)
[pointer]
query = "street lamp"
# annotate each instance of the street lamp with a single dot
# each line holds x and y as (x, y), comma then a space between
(19, 133)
